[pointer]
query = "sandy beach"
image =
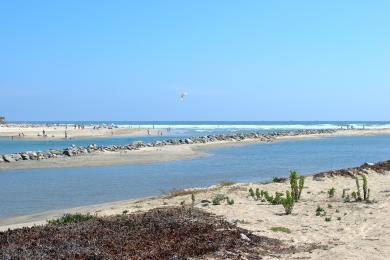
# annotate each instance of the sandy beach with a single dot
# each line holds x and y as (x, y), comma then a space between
(56, 132)
(165, 153)
(354, 230)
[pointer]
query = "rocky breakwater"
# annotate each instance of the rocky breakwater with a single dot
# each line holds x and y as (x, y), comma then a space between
(93, 148)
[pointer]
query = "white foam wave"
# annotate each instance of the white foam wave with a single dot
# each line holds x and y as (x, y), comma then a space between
(208, 127)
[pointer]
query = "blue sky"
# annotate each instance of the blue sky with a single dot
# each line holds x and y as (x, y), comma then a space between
(238, 60)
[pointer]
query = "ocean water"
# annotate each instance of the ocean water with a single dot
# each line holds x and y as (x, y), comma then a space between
(31, 191)
(179, 129)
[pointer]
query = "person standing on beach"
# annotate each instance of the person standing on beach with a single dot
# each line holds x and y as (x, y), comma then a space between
(66, 135)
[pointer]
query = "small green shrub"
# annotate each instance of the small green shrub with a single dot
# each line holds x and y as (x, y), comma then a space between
(320, 211)
(366, 190)
(273, 200)
(331, 192)
(288, 203)
(229, 201)
(71, 218)
(281, 229)
(218, 199)
(258, 194)
(328, 219)
(296, 189)
(243, 221)
(358, 196)
(251, 193)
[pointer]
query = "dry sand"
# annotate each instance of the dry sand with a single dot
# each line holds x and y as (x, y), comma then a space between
(56, 132)
(164, 153)
(362, 232)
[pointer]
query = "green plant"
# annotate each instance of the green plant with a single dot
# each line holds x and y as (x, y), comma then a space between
(218, 199)
(71, 218)
(281, 229)
(330, 206)
(301, 184)
(320, 211)
(243, 221)
(328, 219)
(347, 199)
(273, 200)
(358, 196)
(251, 193)
(366, 190)
(296, 189)
(331, 192)
(229, 201)
(338, 218)
(288, 203)
(259, 195)
(125, 212)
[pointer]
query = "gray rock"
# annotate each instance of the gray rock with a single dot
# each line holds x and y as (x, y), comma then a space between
(1, 159)
(25, 156)
(244, 237)
(11, 157)
(189, 141)
(68, 152)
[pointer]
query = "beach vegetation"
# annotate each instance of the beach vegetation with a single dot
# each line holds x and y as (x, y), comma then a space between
(328, 219)
(251, 193)
(366, 190)
(125, 212)
(357, 196)
(226, 183)
(281, 229)
(229, 201)
(217, 199)
(274, 200)
(71, 218)
(296, 186)
(330, 206)
(331, 192)
(320, 211)
(242, 221)
(338, 218)
(259, 195)
(288, 203)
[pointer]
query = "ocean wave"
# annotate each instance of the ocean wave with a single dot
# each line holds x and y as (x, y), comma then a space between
(207, 127)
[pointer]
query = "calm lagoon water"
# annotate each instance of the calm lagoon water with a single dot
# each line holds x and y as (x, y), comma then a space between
(31, 191)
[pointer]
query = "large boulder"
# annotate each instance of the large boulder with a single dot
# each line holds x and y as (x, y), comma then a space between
(189, 141)
(12, 157)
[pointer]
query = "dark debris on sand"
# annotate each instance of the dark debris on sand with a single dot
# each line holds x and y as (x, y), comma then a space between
(163, 233)
(381, 167)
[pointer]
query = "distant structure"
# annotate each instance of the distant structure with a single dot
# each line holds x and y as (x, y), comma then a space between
(2, 120)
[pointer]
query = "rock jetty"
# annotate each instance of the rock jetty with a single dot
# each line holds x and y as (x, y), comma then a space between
(93, 148)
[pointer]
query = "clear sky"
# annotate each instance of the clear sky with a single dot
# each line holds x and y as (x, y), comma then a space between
(238, 60)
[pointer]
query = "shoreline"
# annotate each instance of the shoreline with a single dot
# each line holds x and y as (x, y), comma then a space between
(50, 132)
(358, 225)
(141, 153)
